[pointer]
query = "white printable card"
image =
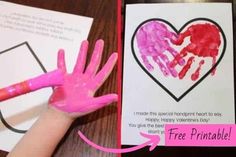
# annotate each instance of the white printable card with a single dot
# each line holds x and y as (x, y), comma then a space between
(30, 40)
(178, 67)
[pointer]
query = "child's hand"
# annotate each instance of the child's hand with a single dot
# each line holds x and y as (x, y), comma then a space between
(76, 95)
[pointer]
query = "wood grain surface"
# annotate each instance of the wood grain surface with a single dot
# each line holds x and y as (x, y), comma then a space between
(101, 126)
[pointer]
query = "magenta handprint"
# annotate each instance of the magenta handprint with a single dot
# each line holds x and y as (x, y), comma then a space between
(153, 40)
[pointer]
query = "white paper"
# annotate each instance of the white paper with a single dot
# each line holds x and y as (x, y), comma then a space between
(30, 37)
(146, 107)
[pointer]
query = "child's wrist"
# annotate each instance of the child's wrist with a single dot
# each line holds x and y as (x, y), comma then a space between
(59, 115)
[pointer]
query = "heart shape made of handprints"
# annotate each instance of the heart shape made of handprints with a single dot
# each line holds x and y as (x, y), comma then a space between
(170, 62)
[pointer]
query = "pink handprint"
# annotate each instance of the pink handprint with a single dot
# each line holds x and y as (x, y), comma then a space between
(204, 42)
(76, 95)
(153, 41)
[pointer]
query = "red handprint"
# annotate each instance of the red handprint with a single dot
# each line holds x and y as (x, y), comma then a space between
(205, 41)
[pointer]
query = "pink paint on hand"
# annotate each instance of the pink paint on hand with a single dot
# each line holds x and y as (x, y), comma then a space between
(50, 79)
(76, 95)
(54, 78)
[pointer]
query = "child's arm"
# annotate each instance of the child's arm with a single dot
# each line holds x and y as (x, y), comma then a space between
(45, 134)
(69, 101)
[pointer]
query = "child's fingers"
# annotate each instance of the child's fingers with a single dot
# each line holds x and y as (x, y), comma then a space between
(105, 71)
(81, 59)
(96, 58)
(61, 60)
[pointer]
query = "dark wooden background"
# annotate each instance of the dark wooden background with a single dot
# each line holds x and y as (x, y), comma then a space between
(101, 126)
(184, 151)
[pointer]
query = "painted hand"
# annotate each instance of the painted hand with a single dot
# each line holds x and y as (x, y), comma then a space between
(76, 95)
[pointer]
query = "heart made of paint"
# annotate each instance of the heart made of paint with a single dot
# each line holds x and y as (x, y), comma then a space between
(203, 76)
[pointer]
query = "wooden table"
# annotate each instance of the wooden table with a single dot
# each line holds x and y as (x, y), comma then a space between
(101, 126)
